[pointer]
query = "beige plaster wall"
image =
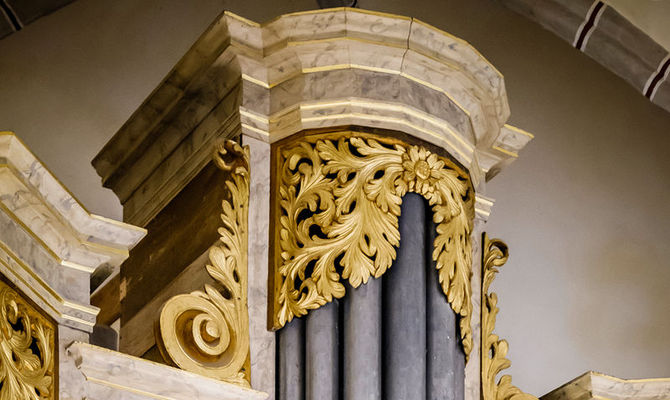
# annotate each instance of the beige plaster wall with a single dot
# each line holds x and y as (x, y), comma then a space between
(652, 16)
(586, 209)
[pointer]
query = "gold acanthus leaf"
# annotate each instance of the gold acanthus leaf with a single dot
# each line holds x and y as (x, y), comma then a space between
(207, 332)
(24, 374)
(339, 203)
(494, 350)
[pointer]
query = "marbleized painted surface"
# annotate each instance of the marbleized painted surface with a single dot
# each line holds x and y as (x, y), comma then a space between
(217, 82)
(312, 42)
(308, 70)
(262, 341)
(111, 236)
(71, 382)
(594, 386)
(111, 375)
(60, 292)
(49, 247)
(49, 244)
(187, 159)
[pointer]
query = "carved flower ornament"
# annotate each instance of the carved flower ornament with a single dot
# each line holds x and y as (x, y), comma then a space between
(338, 208)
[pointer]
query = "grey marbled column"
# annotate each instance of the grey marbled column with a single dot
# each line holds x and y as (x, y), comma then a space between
(362, 321)
(292, 361)
(262, 342)
(405, 308)
(322, 353)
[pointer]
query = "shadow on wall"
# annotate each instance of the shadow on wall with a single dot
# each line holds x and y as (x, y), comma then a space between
(624, 300)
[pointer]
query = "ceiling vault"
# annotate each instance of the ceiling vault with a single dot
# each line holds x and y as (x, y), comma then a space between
(16, 14)
(601, 32)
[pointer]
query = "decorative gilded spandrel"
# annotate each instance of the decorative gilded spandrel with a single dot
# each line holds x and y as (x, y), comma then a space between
(27, 346)
(494, 351)
(338, 208)
(208, 332)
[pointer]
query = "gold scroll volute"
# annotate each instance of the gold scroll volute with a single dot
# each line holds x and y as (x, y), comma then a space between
(207, 332)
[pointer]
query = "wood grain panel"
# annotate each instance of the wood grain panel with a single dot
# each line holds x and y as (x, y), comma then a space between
(179, 234)
(137, 334)
(108, 300)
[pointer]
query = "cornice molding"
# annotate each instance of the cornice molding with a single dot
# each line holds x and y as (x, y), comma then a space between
(596, 386)
(115, 376)
(49, 244)
(311, 70)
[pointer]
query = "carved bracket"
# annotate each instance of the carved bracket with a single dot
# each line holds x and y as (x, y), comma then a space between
(494, 350)
(339, 197)
(27, 348)
(208, 332)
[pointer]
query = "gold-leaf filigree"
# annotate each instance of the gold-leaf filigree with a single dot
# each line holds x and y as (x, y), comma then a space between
(26, 350)
(494, 350)
(207, 332)
(339, 203)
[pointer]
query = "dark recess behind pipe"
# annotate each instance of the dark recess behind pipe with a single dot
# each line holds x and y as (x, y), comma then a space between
(336, 3)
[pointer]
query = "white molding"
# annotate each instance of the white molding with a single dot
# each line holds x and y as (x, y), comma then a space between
(111, 375)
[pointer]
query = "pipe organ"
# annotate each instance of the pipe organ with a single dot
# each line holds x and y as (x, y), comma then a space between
(304, 205)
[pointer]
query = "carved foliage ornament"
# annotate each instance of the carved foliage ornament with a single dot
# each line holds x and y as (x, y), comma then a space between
(494, 351)
(339, 203)
(26, 350)
(208, 332)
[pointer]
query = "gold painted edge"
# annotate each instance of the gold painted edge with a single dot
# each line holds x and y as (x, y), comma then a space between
(519, 130)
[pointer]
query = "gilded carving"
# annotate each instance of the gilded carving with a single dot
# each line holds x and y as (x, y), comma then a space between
(207, 332)
(27, 347)
(494, 350)
(338, 207)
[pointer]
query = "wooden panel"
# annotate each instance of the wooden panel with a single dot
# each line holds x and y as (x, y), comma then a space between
(137, 334)
(108, 300)
(180, 233)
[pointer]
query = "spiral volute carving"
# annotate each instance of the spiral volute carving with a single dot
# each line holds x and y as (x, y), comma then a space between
(207, 332)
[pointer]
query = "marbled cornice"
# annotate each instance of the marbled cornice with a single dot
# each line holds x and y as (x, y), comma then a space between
(306, 70)
(596, 386)
(49, 244)
(36, 196)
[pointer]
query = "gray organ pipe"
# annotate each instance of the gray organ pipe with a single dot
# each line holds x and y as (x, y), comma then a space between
(322, 353)
(392, 338)
(405, 308)
(363, 341)
(291, 361)
(442, 341)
